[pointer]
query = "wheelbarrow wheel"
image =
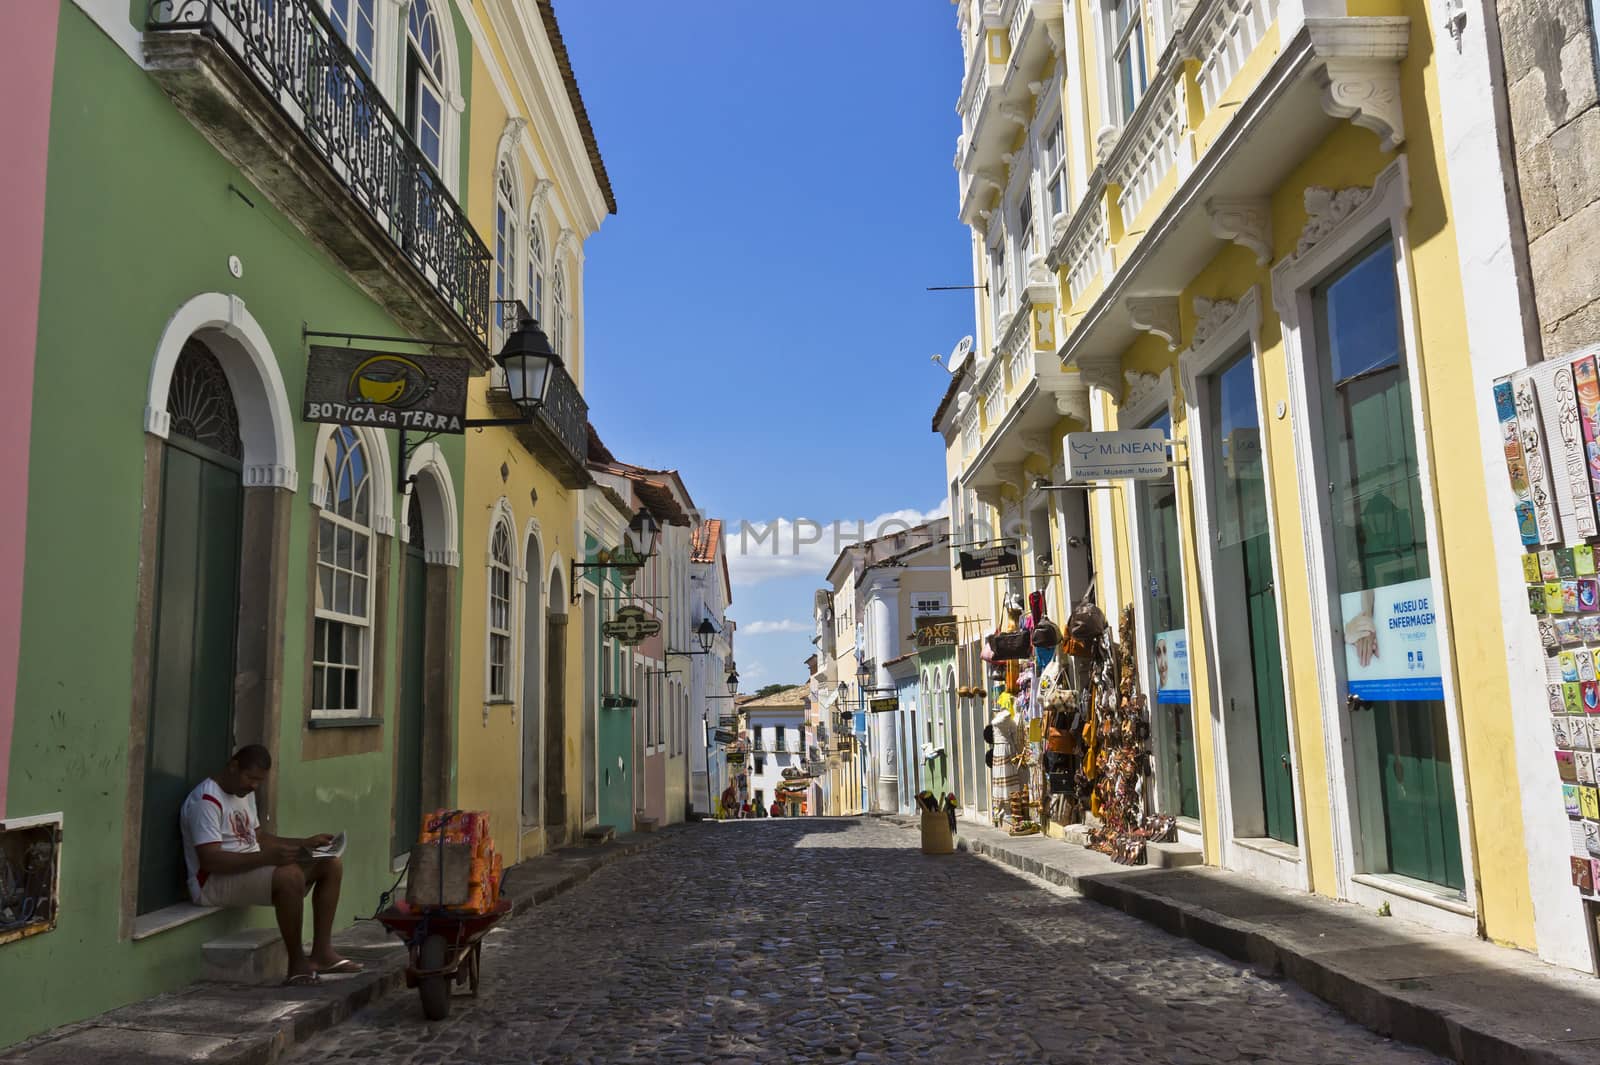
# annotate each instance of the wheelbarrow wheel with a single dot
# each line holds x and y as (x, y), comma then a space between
(434, 990)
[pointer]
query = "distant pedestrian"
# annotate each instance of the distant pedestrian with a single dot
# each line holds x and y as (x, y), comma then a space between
(777, 808)
(729, 804)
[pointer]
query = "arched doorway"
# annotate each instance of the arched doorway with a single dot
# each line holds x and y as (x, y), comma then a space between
(195, 610)
(555, 717)
(412, 711)
(533, 701)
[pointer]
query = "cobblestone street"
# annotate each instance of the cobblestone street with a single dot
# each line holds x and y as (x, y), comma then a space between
(830, 940)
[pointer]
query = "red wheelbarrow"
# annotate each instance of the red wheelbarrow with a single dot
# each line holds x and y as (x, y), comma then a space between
(444, 947)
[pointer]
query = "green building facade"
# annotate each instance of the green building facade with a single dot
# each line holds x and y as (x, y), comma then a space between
(203, 568)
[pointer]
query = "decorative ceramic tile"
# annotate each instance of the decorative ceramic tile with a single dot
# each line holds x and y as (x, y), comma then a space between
(1511, 441)
(1586, 379)
(1573, 463)
(1531, 433)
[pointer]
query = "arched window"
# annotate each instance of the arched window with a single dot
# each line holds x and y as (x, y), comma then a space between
(425, 81)
(558, 312)
(341, 647)
(505, 247)
(536, 269)
(500, 614)
(200, 403)
(356, 22)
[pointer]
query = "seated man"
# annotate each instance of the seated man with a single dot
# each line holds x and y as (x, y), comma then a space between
(231, 863)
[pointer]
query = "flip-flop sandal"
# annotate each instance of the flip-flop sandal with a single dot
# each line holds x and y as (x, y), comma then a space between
(345, 965)
(301, 980)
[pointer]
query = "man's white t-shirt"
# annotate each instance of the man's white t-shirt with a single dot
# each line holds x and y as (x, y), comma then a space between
(211, 815)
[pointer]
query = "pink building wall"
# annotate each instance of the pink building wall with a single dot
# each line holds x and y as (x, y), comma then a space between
(27, 66)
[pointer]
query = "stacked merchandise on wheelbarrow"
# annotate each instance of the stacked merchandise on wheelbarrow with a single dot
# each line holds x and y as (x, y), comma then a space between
(470, 827)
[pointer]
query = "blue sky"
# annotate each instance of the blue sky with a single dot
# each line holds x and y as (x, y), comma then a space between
(756, 310)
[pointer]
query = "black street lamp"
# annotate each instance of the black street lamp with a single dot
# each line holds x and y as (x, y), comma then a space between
(527, 359)
(733, 683)
(706, 634)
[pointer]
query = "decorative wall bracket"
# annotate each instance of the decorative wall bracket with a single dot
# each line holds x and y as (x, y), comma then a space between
(1072, 399)
(1013, 475)
(1360, 72)
(1015, 115)
(1158, 315)
(1247, 223)
(1101, 371)
(989, 494)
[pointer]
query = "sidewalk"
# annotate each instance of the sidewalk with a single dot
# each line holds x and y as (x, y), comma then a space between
(1463, 998)
(233, 1024)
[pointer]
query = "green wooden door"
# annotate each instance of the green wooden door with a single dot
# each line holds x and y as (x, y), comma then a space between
(1161, 567)
(413, 706)
(1380, 540)
(1272, 722)
(615, 769)
(196, 614)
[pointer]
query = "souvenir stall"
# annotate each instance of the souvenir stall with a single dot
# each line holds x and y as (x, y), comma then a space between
(1069, 739)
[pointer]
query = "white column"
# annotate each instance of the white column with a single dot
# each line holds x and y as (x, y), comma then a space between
(883, 617)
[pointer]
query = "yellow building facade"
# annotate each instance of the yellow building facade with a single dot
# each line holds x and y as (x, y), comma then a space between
(1232, 221)
(536, 189)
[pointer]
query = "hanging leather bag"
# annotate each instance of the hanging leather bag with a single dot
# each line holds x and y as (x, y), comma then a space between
(1010, 646)
(1045, 634)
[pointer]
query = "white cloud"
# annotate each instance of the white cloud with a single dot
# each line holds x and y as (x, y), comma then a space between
(758, 628)
(760, 551)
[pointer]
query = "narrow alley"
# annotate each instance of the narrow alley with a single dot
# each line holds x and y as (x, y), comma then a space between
(834, 940)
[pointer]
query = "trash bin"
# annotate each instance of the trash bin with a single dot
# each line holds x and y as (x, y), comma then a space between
(937, 838)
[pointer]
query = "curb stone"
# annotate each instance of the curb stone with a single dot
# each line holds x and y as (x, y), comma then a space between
(1402, 1009)
(230, 1024)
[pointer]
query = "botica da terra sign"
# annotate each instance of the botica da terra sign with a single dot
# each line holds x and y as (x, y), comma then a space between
(355, 386)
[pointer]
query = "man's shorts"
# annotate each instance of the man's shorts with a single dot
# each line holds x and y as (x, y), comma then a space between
(250, 888)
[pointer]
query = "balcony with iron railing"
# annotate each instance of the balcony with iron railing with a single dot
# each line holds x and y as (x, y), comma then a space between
(275, 88)
(557, 433)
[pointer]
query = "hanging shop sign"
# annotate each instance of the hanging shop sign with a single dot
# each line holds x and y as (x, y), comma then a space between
(631, 626)
(734, 758)
(884, 706)
(1391, 644)
(618, 702)
(1139, 454)
(936, 632)
(723, 736)
(357, 386)
(1002, 561)
(1172, 666)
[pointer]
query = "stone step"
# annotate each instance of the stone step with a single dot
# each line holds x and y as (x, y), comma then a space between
(1172, 855)
(597, 835)
(644, 824)
(252, 956)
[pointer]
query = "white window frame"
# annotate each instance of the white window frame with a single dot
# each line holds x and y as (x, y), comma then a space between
(558, 310)
(999, 280)
(500, 527)
(506, 240)
(1384, 210)
(362, 625)
(1156, 402)
(346, 16)
(1239, 335)
(1128, 43)
(1026, 238)
(929, 604)
(537, 252)
(1053, 168)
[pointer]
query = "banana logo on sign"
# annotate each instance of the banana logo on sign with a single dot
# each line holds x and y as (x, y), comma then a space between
(389, 381)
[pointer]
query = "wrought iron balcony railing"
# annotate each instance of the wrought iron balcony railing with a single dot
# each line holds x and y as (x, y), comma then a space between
(295, 56)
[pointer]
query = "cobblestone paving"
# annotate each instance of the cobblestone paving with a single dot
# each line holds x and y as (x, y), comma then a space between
(836, 940)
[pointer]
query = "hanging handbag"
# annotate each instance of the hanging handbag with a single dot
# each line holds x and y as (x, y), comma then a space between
(1087, 623)
(1009, 646)
(1045, 634)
